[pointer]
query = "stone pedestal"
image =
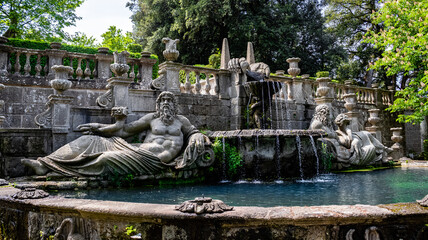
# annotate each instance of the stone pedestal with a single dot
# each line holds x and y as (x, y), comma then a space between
(225, 84)
(55, 57)
(146, 71)
(4, 59)
(168, 79)
(374, 120)
(103, 63)
(298, 93)
(350, 103)
(396, 137)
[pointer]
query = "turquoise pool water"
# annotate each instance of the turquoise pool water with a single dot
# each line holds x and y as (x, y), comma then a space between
(377, 187)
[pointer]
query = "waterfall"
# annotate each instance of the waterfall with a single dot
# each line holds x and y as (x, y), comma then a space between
(224, 177)
(248, 112)
(276, 104)
(263, 108)
(288, 118)
(278, 163)
(256, 164)
(299, 153)
(314, 148)
(270, 103)
(242, 168)
(281, 86)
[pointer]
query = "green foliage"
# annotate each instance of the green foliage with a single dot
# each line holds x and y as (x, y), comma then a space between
(134, 48)
(322, 74)
(229, 154)
(215, 59)
(404, 36)
(37, 19)
(115, 40)
(130, 230)
(119, 180)
(326, 156)
(202, 25)
(81, 39)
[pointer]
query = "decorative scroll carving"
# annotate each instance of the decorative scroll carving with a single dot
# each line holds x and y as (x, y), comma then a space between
(70, 234)
(44, 119)
(160, 82)
(106, 100)
(30, 193)
(203, 205)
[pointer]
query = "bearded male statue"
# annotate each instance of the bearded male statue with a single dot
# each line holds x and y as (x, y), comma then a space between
(103, 150)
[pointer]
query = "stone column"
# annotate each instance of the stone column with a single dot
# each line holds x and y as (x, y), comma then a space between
(225, 84)
(168, 79)
(57, 116)
(4, 59)
(55, 57)
(103, 63)
(350, 103)
(298, 94)
(146, 70)
(396, 147)
(374, 120)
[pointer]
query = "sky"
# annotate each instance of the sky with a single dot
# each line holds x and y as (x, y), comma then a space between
(98, 15)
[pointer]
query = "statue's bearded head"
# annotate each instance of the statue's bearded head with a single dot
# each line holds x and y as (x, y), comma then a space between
(166, 107)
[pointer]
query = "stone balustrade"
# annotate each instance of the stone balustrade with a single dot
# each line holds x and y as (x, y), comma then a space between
(206, 80)
(37, 64)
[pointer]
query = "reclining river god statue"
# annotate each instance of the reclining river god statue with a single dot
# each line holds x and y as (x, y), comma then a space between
(102, 149)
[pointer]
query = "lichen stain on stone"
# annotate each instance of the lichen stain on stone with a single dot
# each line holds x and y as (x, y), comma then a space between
(406, 208)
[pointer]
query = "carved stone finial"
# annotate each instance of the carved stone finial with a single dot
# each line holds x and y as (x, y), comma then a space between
(170, 53)
(250, 53)
(203, 205)
(225, 54)
(30, 193)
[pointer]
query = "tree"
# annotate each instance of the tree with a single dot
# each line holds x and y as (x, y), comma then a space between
(115, 40)
(37, 19)
(81, 39)
(278, 30)
(349, 20)
(404, 36)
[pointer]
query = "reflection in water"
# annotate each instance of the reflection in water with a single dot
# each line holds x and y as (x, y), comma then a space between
(378, 187)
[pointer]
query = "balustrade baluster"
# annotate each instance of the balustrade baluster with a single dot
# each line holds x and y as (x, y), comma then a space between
(198, 84)
(87, 70)
(79, 71)
(17, 64)
(208, 85)
(38, 67)
(71, 65)
(132, 73)
(216, 87)
(27, 66)
(187, 84)
(95, 73)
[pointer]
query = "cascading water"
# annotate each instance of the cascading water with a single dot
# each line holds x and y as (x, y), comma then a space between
(281, 86)
(299, 153)
(270, 105)
(224, 177)
(263, 108)
(276, 105)
(248, 111)
(278, 163)
(316, 154)
(242, 168)
(257, 167)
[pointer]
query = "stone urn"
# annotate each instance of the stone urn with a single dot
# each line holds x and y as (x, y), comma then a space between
(293, 69)
(103, 50)
(145, 54)
(280, 72)
(323, 87)
(374, 117)
(171, 54)
(350, 101)
(55, 45)
(396, 136)
(120, 66)
(61, 83)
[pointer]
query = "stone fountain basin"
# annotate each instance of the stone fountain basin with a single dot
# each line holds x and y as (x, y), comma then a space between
(28, 219)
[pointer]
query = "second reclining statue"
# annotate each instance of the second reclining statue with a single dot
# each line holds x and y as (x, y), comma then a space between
(103, 150)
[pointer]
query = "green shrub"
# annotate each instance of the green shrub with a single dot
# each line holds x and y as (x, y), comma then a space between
(228, 154)
(322, 74)
(134, 48)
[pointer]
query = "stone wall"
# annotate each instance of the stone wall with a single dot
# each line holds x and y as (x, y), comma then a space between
(41, 218)
(22, 143)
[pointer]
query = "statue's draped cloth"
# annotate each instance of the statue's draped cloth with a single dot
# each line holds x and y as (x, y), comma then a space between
(101, 156)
